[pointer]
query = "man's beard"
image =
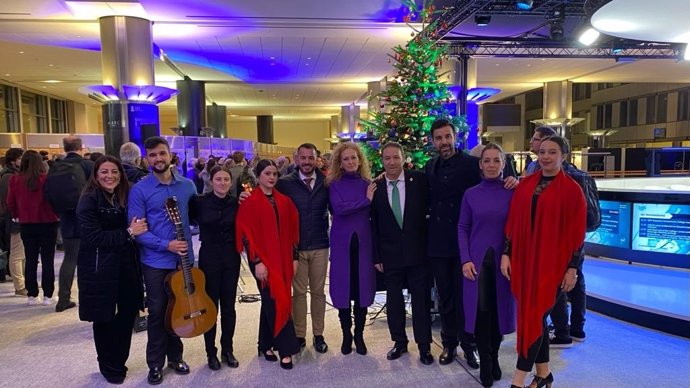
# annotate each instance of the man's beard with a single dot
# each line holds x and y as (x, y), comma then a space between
(156, 170)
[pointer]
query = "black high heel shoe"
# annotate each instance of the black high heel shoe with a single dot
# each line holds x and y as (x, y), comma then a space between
(539, 382)
(286, 365)
(269, 357)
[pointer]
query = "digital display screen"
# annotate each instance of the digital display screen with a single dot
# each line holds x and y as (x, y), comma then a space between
(661, 228)
(615, 225)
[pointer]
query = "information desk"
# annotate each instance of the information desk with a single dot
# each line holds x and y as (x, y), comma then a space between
(645, 238)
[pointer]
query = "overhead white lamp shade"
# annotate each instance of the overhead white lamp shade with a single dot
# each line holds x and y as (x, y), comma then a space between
(686, 56)
(588, 36)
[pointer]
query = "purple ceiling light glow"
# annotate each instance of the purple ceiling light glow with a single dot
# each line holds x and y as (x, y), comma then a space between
(143, 94)
(475, 94)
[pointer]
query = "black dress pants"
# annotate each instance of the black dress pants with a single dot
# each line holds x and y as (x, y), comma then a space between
(286, 341)
(578, 307)
(447, 273)
(39, 240)
(113, 338)
(221, 266)
(486, 329)
(418, 286)
(67, 269)
(161, 342)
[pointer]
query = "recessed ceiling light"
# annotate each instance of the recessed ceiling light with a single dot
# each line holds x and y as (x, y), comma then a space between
(308, 57)
(272, 58)
(52, 81)
(529, 65)
(306, 64)
(7, 74)
(273, 64)
(50, 65)
(21, 52)
(498, 64)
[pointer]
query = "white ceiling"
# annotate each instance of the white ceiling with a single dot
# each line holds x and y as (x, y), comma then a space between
(294, 59)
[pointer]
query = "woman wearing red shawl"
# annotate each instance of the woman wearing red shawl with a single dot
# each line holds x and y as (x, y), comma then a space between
(544, 234)
(268, 229)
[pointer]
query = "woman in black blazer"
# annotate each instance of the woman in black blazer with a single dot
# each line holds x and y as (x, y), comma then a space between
(110, 290)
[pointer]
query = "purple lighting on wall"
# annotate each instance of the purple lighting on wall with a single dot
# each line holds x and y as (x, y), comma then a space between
(144, 93)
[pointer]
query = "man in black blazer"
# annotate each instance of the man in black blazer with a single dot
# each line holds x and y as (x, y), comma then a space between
(398, 215)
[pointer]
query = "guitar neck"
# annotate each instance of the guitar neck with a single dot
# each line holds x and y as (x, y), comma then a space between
(184, 259)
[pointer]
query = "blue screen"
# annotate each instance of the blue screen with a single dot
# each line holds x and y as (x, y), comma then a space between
(615, 225)
(661, 228)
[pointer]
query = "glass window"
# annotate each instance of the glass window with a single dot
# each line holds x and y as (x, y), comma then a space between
(651, 110)
(9, 119)
(662, 107)
(623, 114)
(608, 112)
(34, 113)
(683, 105)
(600, 117)
(534, 100)
(632, 109)
(58, 116)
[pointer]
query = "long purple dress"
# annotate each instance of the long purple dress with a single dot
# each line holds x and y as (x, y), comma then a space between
(350, 207)
(483, 216)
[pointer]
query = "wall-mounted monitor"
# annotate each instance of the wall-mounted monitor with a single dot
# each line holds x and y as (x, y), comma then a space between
(661, 228)
(614, 230)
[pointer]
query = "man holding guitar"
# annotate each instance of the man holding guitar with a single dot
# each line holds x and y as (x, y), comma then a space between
(160, 251)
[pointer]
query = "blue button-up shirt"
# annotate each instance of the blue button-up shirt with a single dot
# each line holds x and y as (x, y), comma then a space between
(147, 199)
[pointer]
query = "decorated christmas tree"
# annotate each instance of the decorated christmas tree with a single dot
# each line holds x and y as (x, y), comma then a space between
(414, 97)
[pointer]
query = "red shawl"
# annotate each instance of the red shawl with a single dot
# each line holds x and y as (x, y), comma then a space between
(256, 222)
(540, 255)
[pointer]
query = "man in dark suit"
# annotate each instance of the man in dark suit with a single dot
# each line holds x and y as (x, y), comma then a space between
(398, 215)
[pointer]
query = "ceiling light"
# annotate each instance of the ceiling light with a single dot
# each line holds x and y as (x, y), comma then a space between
(524, 5)
(588, 36)
(482, 20)
(686, 56)
(556, 31)
(97, 9)
(52, 81)
(21, 52)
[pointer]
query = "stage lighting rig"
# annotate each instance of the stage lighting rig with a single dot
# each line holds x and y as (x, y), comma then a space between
(482, 20)
(524, 5)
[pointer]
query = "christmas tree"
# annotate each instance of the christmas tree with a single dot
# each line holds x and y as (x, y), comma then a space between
(414, 97)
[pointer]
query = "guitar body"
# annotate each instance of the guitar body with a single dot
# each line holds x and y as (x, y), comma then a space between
(189, 314)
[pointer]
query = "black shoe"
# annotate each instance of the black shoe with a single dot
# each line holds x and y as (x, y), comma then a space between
(426, 358)
(471, 358)
(180, 367)
(213, 362)
(447, 356)
(396, 352)
(496, 369)
(286, 365)
(486, 372)
(302, 342)
(64, 305)
(117, 380)
(320, 344)
(346, 347)
(155, 376)
(230, 359)
(540, 382)
(360, 346)
(269, 357)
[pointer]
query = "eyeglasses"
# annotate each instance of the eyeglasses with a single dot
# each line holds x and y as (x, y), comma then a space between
(535, 139)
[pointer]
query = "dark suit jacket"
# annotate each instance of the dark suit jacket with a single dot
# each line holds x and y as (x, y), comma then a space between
(393, 246)
(69, 225)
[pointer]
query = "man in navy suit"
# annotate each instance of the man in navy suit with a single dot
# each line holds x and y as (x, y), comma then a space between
(398, 215)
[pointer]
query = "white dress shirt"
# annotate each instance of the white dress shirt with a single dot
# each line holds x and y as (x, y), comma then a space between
(401, 191)
(302, 177)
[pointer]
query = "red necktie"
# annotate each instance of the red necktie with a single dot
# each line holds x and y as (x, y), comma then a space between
(307, 181)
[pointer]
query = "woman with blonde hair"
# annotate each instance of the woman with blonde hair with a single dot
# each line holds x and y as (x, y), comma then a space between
(352, 275)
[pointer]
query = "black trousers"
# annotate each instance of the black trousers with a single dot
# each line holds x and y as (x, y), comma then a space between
(69, 264)
(416, 278)
(286, 341)
(113, 338)
(39, 240)
(161, 342)
(221, 266)
(447, 273)
(486, 330)
(578, 307)
(538, 352)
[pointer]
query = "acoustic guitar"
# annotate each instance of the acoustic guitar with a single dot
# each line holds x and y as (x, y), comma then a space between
(190, 311)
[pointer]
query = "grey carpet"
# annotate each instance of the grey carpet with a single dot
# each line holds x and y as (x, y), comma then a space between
(41, 348)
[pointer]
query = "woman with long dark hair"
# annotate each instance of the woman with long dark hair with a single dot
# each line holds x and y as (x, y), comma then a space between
(544, 233)
(110, 290)
(488, 304)
(215, 213)
(268, 229)
(38, 224)
(352, 277)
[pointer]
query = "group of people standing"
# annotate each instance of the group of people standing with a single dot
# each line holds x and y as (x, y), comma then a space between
(494, 249)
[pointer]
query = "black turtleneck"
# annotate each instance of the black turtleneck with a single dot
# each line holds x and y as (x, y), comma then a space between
(216, 218)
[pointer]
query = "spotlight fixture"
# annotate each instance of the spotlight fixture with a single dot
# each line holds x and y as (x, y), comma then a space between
(524, 5)
(588, 36)
(482, 20)
(556, 31)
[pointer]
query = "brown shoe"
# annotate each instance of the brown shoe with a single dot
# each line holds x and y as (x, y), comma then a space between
(22, 292)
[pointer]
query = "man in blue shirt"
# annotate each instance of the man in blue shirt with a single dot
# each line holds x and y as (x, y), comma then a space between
(160, 251)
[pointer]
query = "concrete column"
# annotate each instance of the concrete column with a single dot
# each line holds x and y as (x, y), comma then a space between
(264, 129)
(126, 59)
(191, 106)
(217, 119)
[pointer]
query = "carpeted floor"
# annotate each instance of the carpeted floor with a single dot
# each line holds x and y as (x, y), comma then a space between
(41, 348)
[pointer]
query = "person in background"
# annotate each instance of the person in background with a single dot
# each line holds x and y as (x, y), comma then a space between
(539, 134)
(352, 277)
(307, 190)
(110, 290)
(488, 305)
(130, 154)
(160, 251)
(215, 214)
(282, 162)
(69, 226)
(95, 156)
(206, 176)
(398, 219)
(238, 169)
(38, 224)
(12, 238)
(543, 236)
(268, 230)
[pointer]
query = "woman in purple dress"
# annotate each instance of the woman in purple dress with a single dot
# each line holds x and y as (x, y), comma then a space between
(487, 300)
(352, 275)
